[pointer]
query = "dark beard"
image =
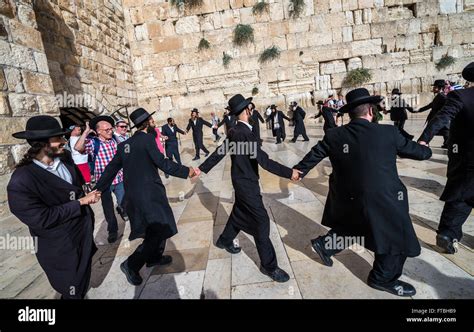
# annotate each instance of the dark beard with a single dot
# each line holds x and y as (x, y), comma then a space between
(151, 130)
(53, 152)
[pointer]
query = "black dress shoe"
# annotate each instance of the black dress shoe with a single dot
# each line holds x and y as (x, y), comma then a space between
(306, 140)
(293, 141)
(318, 247)
(400, 288)
(112, 237)
(277, 275)
(206, 154)
(133, 277)
(230, 248)
(449, 246)
(196, 158)
(164, 260)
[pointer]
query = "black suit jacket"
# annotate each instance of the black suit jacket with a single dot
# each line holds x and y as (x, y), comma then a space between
(48, 205)
(229, 121)
(435, 106)
(459, 111)
(398, 112)
(281, 116)
(197, 129)
(172, 135)
(366, 196)
(328, 117)
(145, 195)
(256, 117)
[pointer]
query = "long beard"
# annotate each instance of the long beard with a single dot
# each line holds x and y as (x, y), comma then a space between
(53, 152)
(151, 130)
(251, 120)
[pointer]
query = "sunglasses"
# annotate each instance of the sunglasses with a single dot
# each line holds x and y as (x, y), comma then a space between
(122, 126)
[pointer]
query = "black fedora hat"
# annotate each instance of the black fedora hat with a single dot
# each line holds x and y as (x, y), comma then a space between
(94, 121)
(439, 83)
(238, 103)
(194, 110)
(396, 92)
(468, 72)
(41, 127)
(139, 116)
(358, 97)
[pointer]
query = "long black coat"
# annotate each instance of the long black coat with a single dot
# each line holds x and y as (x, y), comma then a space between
(229, 121)
(436, 105)
(398, 112)
(48, 205)
(298, 119)
(366, 197)
(146, 202)
(459, 109)
(197, 128)
(256, 117)
(281, 116)
(248, 213)
(328, 117)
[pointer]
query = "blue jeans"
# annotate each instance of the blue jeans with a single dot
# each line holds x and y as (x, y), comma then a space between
(108, 205)
(119, 191)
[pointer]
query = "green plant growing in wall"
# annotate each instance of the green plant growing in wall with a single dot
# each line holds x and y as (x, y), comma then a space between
(445, 61)
(269, 54)
(260, 7)
(357, 77)
(243, 34)
(188, 3)
(254, 91)
(296, 8)
(226, 58)
(204, 44)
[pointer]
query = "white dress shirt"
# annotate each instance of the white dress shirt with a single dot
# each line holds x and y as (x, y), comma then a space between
(57, 168)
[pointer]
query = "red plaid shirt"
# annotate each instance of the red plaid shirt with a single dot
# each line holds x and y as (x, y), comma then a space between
(105, 155)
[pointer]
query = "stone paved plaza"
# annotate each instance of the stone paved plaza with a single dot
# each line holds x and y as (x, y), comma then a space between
(200, 270)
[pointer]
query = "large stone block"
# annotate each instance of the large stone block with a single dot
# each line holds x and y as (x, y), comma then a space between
(14, 80)
(365, 47)
(4, 106)
(22, 104)
(25, 35)
(7, 8)
(349, 5)
(37, 83)
(41, 62)
(361, 32)
(447, 6)
(337, 66)
(187, 24)
(166, 44)
(3, 81)
(48, 105)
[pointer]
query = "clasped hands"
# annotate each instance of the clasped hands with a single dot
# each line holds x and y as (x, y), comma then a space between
(296, 176)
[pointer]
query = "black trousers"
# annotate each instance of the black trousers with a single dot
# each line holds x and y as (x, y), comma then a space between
(172, 151)
(280, 136)
(454, 215)
(400, 125)
(264, 245)
(296, 134)
(109, 212)
(214, 132)
(151, 249)
(199, 145)
(386, 268)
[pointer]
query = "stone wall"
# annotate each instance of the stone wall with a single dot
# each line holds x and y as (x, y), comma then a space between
(51, 48)
(398, 41)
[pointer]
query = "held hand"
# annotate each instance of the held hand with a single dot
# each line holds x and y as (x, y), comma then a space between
(90, 198)
(296, 175)
(423, 143)
(197, 172)
(164, 137)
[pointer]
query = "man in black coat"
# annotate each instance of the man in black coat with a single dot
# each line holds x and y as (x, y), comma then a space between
(298, 120)
(248, 213)
(45, 192)
(398, 112)
(277, 124)
(436, 105)
(146, 203)
(254, 122)
(228, 120)
(171, 130)
(458, 194)
(196, 123)
(328, 114)
(366, 198)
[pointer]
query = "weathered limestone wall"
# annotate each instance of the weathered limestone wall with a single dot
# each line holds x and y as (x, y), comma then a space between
(399, 41)
(50, 48)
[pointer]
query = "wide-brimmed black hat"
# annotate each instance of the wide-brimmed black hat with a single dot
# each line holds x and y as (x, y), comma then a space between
(41, 127)
(139, 116)
(293, 104)
(238, 103)
(94, 121)
(468, 72)
(320, 102)
(396, 92)
(358, 97)
(195, 110)
(439, 83)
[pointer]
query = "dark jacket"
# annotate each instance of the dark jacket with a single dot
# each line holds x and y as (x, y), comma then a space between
(281, 116)
(328, 117)
(172, 135)
(197, 129)
(145, 199)
(398, 112)
(366, 197)
(256, 117)
(49, 206)
(435, 106)
(244, 175)
(459, 110)
(229, 121)
(298, 120)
